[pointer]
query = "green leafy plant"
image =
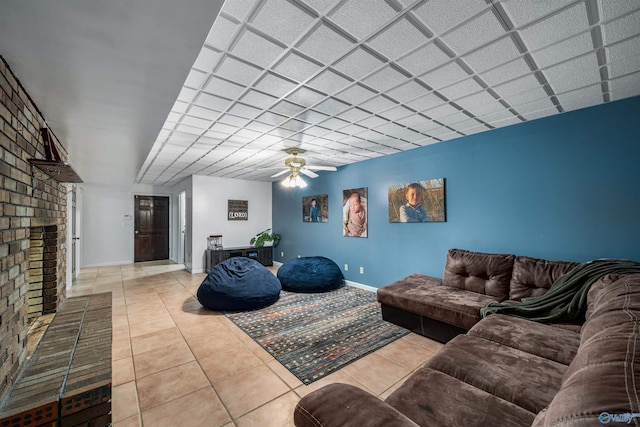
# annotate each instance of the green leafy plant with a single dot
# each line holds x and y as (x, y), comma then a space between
(265, 236)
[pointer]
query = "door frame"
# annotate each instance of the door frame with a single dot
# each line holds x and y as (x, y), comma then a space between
(170, 224)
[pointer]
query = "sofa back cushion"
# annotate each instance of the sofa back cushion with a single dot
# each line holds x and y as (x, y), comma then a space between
(532, 277)
(599, 383)
(479, 272)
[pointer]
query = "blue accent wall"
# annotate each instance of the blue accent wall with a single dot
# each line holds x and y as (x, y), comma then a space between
(565, 187)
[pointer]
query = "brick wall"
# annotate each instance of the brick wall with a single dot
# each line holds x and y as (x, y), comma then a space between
(21, 207)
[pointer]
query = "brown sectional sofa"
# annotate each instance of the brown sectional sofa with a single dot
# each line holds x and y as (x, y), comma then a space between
(443, 308)
(508, 371)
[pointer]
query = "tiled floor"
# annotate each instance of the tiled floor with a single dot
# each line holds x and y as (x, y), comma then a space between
(177, 364)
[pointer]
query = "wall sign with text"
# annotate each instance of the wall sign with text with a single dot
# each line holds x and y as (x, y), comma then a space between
(238, 210)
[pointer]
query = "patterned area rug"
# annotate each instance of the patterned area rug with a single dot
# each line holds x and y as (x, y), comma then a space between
(313, 335)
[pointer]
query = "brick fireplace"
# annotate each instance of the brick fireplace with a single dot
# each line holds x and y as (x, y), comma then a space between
(43, 271)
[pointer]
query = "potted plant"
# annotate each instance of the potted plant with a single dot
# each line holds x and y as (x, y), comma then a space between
(265, 238)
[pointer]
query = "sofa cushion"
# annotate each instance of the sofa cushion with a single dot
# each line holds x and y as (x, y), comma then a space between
(557, 344)
(483, 273)
(426, 296)
(602, 379)
(532, 277)
(432, 398)
(521, 378)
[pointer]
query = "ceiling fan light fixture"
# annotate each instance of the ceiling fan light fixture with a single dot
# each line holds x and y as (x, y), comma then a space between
(294, 181)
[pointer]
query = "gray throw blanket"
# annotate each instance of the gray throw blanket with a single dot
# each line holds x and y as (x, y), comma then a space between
(566, 300)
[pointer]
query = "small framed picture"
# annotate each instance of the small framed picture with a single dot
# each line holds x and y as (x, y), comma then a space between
(315, 208)
(354, 212)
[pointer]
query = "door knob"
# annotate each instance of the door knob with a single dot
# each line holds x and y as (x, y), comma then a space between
(136, 232)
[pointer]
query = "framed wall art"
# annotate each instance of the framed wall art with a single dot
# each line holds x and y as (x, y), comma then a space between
(315, 208)
(420, 201)
(354, 212)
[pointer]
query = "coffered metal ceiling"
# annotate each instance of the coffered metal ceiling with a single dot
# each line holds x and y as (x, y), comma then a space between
(355, 79)
(345, 80)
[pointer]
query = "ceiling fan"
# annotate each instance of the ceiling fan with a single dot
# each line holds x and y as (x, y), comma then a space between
(296, 165)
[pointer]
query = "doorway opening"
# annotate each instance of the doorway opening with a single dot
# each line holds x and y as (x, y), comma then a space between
(151, 228)
(182, 225)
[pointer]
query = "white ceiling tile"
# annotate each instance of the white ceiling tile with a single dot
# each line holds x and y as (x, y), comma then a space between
(258, 127)
(625, 87)
(275, 85)
(398, 39)
(537, 105)
(247, 133)
(362, 17)
(222, 128)
(282, 20)
(377, 104)
(221, 33)
(243, 110)
(451, 119)
(287, 108)
(355, 94)
(281, 132)
(385, 79)
(504, 73)
(461, 89)
(441, 111)
(441, 15)
(408, 91)
(352, 129)
(358, 64)
(524, 12)
(573, 74)
(425, 102)
(317, 131)
(372, 122)
(413, 120)
(444, 76)
(258, 99)
(331, 106)
(328, 82)
(534, 115)
(469, 125)
(256, 49)
(619, 51)
(195, 122)
(630, 64)
(296, 67)
(325, 44)
(504, 50)
(312, 117)
(174, 117)
(271, 118)
(559, 26)
(354, 114)
(321, 6)
(203, 113)
(207, 59)
(180, 107)
(475, 33)
(212, 102)
(390, 129)
(238, 71)
(233, 120)
(371, 135)
(622, 28)
(397, 113)
(526, 96)
(179, 138)
(522, 84)
(424, 59)
(187, 95)
(478, 100)
(564, 50)
(305, 96)
(217, 86)
(335, 123)
(610, 9)
(572, 100)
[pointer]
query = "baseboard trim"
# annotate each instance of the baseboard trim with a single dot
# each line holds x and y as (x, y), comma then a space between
(361, 286)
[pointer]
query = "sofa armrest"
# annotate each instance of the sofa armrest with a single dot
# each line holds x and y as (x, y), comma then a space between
(344, 405)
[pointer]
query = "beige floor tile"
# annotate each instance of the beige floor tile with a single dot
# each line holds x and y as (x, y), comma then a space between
(122, 371)
(376, 372)
(211, 342)
(284, 374)
(263, 354)
(198, 409)
(164, 386)
(156, 360)
(133, 421)
(120, 349)
(124, 402)
(425, 342)
(247, 390)
(154, 340)
(154, 325)
(277, 413)
(405, 353)
(229, 362)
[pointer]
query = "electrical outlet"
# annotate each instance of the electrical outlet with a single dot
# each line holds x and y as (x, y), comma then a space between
(361, 270)
(282, 254)
(346, 267)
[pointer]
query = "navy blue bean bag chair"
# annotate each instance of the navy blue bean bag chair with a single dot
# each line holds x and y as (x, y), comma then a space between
(239, 284)
(310, 274)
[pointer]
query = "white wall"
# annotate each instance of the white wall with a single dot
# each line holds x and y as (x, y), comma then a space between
(209, 204)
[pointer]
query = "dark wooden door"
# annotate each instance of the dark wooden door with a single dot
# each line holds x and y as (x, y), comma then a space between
(151, 228)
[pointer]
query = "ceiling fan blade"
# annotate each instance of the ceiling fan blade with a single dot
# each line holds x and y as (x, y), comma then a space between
(309, 173)
(322, 168)
(282, 172)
